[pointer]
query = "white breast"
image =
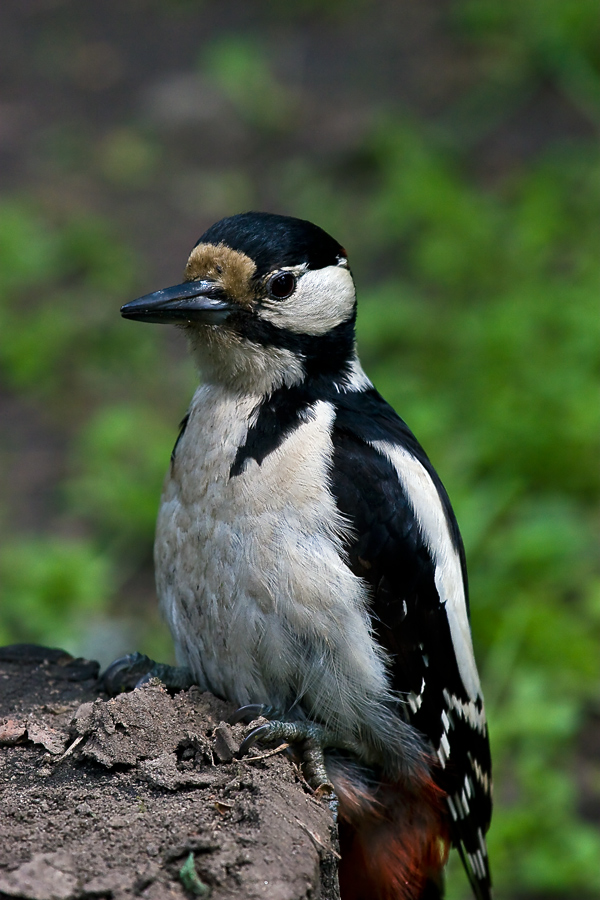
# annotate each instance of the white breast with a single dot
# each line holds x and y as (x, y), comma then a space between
(251, 574)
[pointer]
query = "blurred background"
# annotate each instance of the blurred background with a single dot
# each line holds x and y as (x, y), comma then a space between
(451, 147)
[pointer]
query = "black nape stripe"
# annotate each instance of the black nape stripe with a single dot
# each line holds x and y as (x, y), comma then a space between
(278, 417)
(362, 414)
(182, 427)
(288, 407)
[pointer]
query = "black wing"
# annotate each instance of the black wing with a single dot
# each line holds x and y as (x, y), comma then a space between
(392, 551)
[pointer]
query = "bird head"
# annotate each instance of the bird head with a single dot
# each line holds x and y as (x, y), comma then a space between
(267, 301)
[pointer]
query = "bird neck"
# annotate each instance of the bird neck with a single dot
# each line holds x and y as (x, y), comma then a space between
(245, 366)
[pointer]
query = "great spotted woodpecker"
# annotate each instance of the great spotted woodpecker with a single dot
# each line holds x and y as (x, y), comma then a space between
(308, 560)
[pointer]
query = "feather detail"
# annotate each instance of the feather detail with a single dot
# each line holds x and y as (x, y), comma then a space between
(394, 839)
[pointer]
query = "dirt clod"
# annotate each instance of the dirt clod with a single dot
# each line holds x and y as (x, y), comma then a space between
(111, 799)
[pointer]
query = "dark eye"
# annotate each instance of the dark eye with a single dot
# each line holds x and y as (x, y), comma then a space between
(282, 286)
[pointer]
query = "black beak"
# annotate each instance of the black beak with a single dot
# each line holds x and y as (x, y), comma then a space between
(192, 301)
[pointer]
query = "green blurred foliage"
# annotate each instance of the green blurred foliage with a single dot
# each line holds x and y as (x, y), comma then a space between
(127, 157)
(63, 349)
(120, 455)
(478, 320)
(547, 38)
(238, 66)
(49, 587)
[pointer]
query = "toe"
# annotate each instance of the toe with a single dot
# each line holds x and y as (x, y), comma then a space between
(257, 734)
(125, 673)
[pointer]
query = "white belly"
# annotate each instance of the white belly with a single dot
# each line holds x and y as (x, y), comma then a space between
(251, 574)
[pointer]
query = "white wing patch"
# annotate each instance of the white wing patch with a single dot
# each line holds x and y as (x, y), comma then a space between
(431, 517)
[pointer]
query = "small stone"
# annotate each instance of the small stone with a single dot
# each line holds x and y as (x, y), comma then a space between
(226, 747)
(52, 740)
(47, 876)
(12, 731)
(84, 809)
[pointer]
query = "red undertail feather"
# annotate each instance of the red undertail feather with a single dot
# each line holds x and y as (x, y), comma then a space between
(393, 839)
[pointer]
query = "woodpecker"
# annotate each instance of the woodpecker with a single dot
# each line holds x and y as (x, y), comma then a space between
(308, 560)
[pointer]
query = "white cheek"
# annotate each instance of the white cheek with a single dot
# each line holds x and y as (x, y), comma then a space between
(323, 299)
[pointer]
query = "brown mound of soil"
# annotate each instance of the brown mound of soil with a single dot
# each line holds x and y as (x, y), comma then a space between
(142, 796)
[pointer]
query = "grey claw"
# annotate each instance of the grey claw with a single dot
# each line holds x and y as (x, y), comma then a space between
(255, 735)
(247, 714)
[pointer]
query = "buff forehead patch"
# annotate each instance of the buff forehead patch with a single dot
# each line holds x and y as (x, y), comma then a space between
(230, 268)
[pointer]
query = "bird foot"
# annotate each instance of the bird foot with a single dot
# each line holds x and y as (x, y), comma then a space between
(135, 669)
(310, 737)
